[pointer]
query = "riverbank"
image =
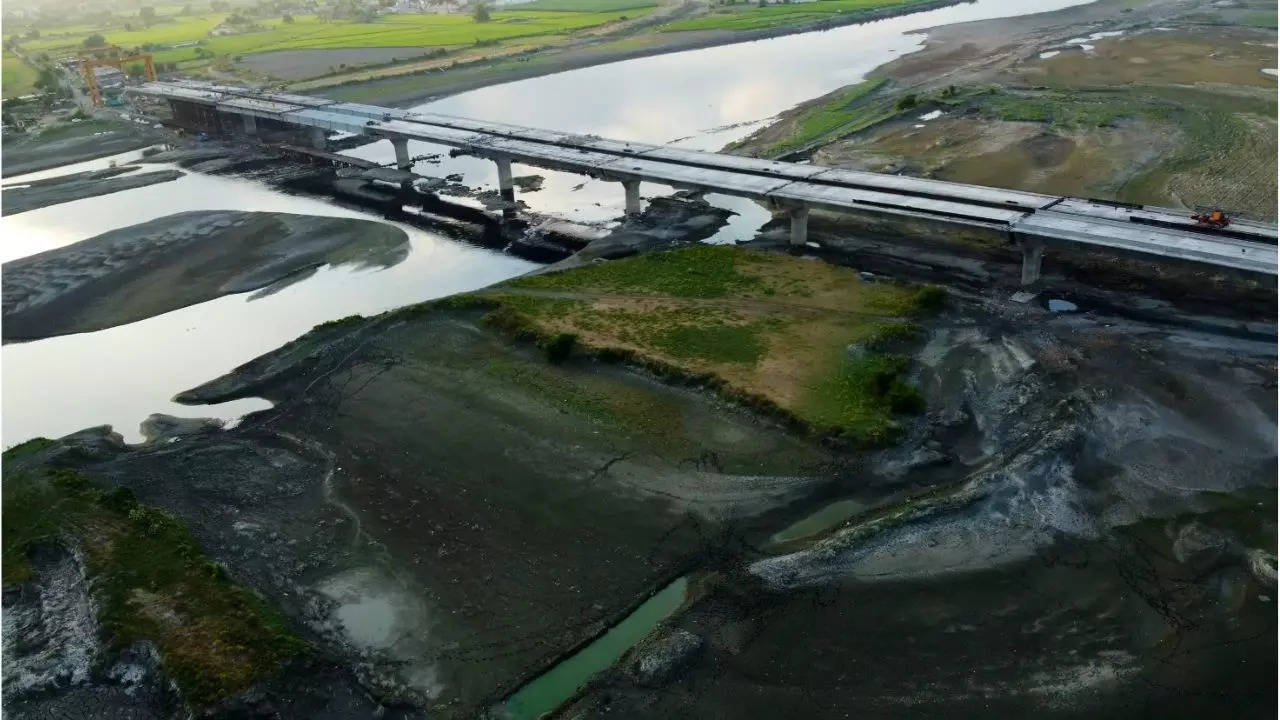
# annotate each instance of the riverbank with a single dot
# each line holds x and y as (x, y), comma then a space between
(131, 274)
(410, 90)
(1109, 100)
(70, 142)
(23, 196)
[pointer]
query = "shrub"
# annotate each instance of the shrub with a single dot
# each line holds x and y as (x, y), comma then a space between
(907, 102)
(560, 347)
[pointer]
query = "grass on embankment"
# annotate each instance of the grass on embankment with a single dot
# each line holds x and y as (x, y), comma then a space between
(805, 338)
(149, 578)
(849, 110)
(751, 16)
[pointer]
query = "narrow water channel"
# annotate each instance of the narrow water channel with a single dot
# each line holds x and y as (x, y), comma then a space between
(121, 375)
(570, 675)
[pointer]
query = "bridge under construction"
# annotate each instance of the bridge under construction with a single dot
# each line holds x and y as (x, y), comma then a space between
(1034, 221)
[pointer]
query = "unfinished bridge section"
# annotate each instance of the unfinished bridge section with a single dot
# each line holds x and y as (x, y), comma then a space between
(1032, 220)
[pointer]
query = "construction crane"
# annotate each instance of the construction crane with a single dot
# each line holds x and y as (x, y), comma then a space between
(111, 56)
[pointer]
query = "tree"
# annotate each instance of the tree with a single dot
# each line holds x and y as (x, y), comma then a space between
(33, 34)
(95, 41)
(148, 14)
(287, 18)
(48, 80)
(186, 10)
(134, 70)
(480, 13)
(220, 5)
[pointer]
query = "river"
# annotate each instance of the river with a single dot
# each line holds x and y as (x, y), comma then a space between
(699, 99)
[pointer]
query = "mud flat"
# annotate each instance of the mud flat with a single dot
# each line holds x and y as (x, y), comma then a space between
(51, 191)
(137, 272)
(70, 143)
(1091, 548)
(450, 513)
(450, 500)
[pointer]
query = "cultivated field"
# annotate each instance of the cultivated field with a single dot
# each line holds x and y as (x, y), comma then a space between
(312, 33)
(19, 77)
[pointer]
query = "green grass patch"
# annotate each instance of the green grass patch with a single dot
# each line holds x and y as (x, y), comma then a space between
(581, 5)
(808, 340)
(713, 343)
(845, 112)
(150, 580)
(19, 77)
(861, 396)
(750, 16)
(700, 271)
(1066, 109)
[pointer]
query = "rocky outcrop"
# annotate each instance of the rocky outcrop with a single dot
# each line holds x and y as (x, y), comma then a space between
(658, 661)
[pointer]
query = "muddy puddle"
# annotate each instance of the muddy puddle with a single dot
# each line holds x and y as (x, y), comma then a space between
(826, 518)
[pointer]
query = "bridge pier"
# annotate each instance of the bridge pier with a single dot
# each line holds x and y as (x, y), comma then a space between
(1032, 255)
(632, 188)
(319, 139)
(506, 188)
(402, 153)
(799, 225)
(250, 125)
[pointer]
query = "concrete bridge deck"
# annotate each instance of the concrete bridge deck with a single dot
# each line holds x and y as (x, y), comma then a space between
(1033, 220)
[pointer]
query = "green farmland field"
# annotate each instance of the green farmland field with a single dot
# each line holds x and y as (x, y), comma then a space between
(19, 77)
(749, 16)
(310, 32)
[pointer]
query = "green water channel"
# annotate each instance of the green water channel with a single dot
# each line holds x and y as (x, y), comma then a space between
(558, 684)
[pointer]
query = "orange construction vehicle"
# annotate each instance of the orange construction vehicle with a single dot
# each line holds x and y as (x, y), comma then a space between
(1215, 218)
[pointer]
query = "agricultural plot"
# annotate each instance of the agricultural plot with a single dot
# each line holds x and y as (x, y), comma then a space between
(391, 31)
(19, 77)
(184, 30)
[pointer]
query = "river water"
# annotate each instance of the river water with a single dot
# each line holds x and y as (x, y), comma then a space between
(698, 99)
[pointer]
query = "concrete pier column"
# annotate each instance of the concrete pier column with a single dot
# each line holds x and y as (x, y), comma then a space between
(632, 188)
(250, 125)
(1032, 255)
(799, 225)
(319, 138)
(506, 188)
(402, 153)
